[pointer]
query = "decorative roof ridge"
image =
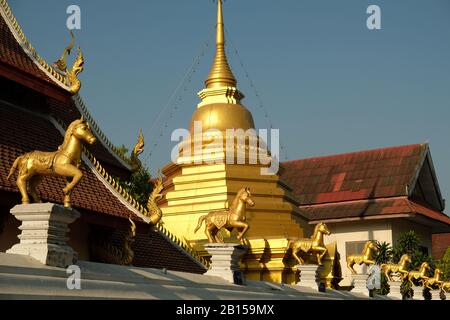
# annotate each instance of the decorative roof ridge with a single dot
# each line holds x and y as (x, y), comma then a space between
(128, 200)
(19, 35)
(82, 108)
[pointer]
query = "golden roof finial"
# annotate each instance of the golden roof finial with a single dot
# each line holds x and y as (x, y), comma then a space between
(220, 74)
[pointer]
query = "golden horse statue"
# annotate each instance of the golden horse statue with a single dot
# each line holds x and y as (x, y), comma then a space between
(435, 280)
(420, 275)
(63, 162)
(311, 245)
(400, 269)
(228, 219)
(445, 286)
(366, 257)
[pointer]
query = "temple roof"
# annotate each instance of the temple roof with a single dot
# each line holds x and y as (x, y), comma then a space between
(35, 108)
(12, 54)
(93, 196)
(387, 181)
(21, 63)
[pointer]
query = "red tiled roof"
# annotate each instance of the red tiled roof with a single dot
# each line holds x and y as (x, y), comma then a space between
(370, 207)
(12, 54)
(354, 176)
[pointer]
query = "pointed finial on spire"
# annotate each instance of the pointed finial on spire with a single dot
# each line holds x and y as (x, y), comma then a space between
(220, 74)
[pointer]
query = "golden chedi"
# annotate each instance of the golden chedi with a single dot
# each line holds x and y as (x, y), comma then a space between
(201, 182)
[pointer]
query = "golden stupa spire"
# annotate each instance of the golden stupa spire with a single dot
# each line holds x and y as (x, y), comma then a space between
(220, 74)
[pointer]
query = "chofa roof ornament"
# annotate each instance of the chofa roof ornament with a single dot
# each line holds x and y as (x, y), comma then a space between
(77, 66)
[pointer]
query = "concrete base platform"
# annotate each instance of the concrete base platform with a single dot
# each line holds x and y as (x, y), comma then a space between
(24, 277)
(309, 275)
(43, 237)
(360, 284)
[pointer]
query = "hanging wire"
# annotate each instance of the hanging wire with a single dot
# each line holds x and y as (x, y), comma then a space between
(174, 101)
(255, 92)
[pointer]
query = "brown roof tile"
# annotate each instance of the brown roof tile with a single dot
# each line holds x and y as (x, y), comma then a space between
(371, 207)
(12, 54)
(353, 176)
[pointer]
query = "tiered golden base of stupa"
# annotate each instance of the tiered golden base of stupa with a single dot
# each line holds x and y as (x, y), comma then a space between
(198, 189)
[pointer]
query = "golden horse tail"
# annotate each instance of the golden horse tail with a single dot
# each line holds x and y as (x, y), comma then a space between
(200, 221)
(14, 166)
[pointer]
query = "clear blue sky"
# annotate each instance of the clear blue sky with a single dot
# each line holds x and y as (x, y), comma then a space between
(328, 83)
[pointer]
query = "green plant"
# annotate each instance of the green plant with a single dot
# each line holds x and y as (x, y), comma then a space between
(408, 242)
(444, 264)
(384, 253)
(139, 185)
(384, 286)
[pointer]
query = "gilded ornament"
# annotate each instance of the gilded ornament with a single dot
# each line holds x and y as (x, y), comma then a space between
(366, 257)
(72, 74)
(61, 63)
(136, 164)
(63, 162)
(311, 246)
(435, 280)
(419, 275)
(400, 269)
(154, 212)
(445, 286)
(77, 67)
(234, 217)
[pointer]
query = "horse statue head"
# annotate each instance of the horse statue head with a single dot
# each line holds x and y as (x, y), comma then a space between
(245, 196)
(369, 248)
(82, 131)
(321, 228)
(405, 259)
(424, 267)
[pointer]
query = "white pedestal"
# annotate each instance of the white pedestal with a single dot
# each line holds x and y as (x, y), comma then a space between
(309, 275)
(225, 258)
(435, 294)
(394, 290)
(418, 293)
(360, 284)
(44, 228)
